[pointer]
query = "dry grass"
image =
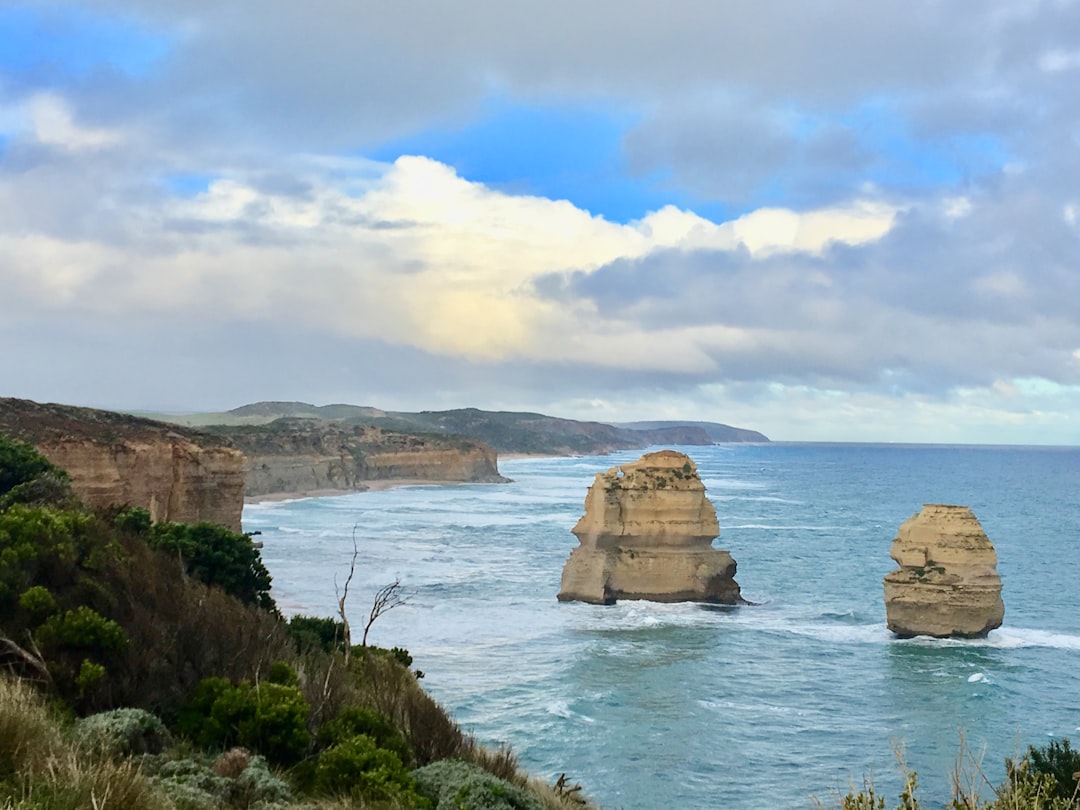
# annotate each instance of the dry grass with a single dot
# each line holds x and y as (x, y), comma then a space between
(44, 771)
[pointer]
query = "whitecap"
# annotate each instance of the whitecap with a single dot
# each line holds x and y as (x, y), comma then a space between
(560, 708)
(1018, 637)
(978, 677)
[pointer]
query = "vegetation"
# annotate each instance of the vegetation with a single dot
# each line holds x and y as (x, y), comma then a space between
(146, 666)
(1044, 778)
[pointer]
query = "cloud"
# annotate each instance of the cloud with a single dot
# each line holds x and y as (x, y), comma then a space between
(862, 213)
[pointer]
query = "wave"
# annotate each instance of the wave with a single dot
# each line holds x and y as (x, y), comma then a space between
(560, 708)
(1009, 638)
(756, 498)
(786, 528)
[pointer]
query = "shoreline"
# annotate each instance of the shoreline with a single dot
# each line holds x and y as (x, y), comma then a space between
(379, 485)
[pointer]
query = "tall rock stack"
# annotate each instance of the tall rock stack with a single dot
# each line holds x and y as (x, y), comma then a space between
(647, 533)
(947, 584)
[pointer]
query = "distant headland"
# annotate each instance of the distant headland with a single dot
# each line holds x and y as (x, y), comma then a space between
(199, 466)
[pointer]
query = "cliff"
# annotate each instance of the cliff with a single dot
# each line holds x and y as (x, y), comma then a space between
(947, 584)
(647, 533)
(299, 455)
(177, 474)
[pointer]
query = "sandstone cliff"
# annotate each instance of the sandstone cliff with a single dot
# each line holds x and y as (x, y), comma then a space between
(947, 584)
(647, 533)
(308, 455)
(176, 473)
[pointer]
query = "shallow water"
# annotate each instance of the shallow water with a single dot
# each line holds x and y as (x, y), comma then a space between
(692, 706)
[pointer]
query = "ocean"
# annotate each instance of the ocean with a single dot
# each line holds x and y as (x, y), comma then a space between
(690, 706)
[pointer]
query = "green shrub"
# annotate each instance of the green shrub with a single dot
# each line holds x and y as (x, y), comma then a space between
(353, 721)
(218, 556)
(84, 629)
(38, 602)
(20, 463)
(317, 633)
(90, 675)
(456, 785)
(359, 768)
(122, 732)
(133, 519)
(281, 673)
(51, 489)
(269, 718)
(1060, 761)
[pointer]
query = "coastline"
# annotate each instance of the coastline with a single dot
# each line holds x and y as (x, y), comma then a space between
(378, 485)
(368, 486)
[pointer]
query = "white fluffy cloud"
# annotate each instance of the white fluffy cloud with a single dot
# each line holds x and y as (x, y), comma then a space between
(420, 257)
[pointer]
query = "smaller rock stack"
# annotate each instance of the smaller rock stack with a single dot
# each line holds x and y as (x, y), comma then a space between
(947, 584)
(647, 533)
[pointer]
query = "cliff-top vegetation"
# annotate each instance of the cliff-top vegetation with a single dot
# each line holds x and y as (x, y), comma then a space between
(145, 665)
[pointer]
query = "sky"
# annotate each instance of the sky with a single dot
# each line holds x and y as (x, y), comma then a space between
(827, 221)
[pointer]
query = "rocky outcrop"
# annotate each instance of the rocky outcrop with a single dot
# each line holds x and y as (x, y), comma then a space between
(647, 533)
(947, 584)
(177, 474)
(300, 456)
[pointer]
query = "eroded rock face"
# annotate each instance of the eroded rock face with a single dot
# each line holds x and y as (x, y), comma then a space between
(113, 459)
(947, 584)
(647, 533)
(307, 455)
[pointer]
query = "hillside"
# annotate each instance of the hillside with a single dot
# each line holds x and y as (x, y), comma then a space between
(505, 431)
(716, 431)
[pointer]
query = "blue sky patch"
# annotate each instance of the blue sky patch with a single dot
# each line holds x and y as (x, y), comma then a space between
(905, 161)
(187, 185)
(54, 46)
(571, 152)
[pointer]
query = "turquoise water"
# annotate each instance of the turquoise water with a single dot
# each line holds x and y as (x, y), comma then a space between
(692, 706)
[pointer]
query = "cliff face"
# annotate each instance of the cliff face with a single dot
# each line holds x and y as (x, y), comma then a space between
(177, 474)
(647, 533)
(947, 584)
(307, 455)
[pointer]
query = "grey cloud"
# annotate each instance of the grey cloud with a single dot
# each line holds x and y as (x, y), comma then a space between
(934, 304)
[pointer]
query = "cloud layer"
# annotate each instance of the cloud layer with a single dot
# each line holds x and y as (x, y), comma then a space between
(874, 229)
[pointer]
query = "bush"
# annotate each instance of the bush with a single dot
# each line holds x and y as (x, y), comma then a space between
(359, 768)
(134, 520)
(38, 602)
(122, 732)
(1058, 760)
(20, 463)
(317, 633)
(84, 629)
(456, 785)
(281, 673)
(269, 718)
(218, 556)
(353, 721)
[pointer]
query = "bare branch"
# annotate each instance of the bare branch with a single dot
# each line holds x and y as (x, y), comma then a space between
(31, 659)
(345, 595)
(387, 598)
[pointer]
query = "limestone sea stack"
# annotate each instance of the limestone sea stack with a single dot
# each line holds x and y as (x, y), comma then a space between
(647, 533)
(947, 584)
